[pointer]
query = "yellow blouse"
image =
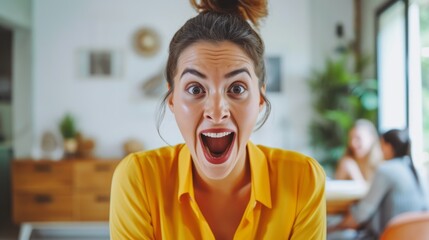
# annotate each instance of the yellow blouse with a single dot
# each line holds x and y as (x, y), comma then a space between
(152, 197)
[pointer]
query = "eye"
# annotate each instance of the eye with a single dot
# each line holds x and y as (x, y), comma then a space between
(237, 89)
(195, 89)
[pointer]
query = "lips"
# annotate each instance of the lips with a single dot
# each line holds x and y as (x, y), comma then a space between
(217, 144)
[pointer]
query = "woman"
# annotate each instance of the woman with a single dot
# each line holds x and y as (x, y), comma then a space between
(395, 189)
(363, 154)
(218, 185)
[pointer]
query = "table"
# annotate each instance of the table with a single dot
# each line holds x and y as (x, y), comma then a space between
(341, 194)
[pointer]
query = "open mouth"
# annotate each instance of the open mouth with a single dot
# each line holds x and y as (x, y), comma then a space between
(217, 146)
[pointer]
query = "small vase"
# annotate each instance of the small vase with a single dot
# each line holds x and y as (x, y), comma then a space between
(70, 147)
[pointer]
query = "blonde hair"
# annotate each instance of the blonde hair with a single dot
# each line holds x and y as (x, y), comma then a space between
(375, 154)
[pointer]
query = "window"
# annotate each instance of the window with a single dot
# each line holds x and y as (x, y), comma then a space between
(403, 71)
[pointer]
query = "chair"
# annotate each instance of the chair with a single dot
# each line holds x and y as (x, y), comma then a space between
(410, 225)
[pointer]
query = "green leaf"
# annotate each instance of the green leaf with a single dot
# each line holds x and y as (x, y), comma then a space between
(67, 127)
(369, 100)
(340, 97)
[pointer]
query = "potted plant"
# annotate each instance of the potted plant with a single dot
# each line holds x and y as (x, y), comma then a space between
(340, 96)
(68, 131)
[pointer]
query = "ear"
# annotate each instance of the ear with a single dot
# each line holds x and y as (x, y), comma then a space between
(170, 99)
(261, 99)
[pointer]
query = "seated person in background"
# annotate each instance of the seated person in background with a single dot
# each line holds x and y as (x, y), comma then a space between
(394, 190)
(362, 155)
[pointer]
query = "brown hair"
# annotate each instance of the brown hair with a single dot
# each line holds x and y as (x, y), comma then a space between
(252, 10)
(219, 21)
(400, 141)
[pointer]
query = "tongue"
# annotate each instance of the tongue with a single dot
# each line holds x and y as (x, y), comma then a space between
(218, 145)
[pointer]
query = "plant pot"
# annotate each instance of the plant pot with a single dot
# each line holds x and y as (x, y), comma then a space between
(70, 146)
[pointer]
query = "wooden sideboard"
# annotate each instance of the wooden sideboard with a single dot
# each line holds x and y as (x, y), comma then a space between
(73, 190)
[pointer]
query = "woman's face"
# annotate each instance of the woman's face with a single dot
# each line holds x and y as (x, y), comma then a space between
(387, 149)
(216, 102)
(360, 141)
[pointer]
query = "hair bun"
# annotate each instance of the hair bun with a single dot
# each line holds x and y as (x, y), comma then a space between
(252, 10)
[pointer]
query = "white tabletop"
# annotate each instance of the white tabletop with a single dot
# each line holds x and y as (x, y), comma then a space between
(338, 190)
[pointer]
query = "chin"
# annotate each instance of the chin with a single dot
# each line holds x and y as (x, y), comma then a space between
(216, 171)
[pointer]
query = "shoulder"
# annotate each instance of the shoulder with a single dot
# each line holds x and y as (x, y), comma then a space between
(346, 162)
(292, 162)
(169, 152)
(145, 161)
(391, 168)
(347, 168)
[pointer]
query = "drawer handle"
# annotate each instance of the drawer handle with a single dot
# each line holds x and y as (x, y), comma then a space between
(102, 198)
(43, 199)
(43, 168)
(102, 168)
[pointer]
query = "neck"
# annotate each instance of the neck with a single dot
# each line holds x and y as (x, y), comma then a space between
(236, 180)
(363, 159)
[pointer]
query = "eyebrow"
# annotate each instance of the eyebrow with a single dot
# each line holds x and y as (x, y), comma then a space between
(236, 72)
(193, 72)
(201, 75)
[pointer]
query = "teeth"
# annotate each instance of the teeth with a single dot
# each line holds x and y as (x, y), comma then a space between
(217, 135)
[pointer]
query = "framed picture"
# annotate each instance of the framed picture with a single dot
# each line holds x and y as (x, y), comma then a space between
(274, 75)
(100, 64)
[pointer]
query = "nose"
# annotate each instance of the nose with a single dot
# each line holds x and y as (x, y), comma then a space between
(216, 108)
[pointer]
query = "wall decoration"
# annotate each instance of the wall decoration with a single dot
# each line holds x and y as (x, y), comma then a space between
(147, 42)
(105, 64)
(155, 85)
(274, 75)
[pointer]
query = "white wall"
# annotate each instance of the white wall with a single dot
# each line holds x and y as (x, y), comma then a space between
(110, 111)
(326, 15)
(113, 111)
(287, 125)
